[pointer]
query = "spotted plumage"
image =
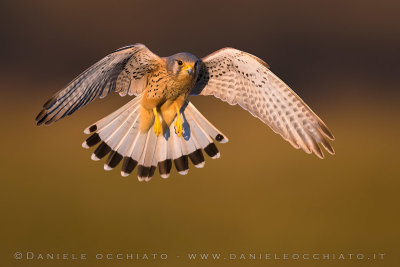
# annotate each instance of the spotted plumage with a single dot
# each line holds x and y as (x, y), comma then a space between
(160, 127)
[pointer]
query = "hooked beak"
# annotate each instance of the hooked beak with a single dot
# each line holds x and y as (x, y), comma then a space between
(189, 69)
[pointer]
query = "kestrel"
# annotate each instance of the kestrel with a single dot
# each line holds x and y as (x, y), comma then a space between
(161, 125)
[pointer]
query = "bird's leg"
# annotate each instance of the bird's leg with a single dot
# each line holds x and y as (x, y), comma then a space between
(157, 124)
(178, 123)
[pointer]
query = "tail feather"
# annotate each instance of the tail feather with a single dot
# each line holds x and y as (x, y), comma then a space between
(119, 136)
(153, 164)
(201, 140)
(203, 137)
(206, 125)
(131, 137)
(164, 161)
(115, 134)
(197, 158)
(108, 119)
(174, 145)
(101, 151)
(113, 160)
(146, 159)
(181, 163)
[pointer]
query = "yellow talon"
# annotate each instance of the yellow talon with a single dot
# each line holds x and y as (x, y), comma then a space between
(157, 124)
(178, 123)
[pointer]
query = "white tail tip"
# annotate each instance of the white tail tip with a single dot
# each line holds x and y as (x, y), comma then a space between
(93, 157)
(225, 140)
(216, 156)
(200, 165)
(84, 145)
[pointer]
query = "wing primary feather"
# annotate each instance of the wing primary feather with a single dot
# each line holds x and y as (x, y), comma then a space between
(100, 80)
(237, 77)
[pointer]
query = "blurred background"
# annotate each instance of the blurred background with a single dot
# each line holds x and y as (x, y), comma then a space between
(261, 196)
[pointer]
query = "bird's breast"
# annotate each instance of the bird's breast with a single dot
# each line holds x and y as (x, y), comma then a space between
(178, 87)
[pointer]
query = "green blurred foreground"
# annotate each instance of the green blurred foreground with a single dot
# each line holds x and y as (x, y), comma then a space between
(261, 196)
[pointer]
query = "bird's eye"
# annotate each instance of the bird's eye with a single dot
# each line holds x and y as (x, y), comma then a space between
(180, 63)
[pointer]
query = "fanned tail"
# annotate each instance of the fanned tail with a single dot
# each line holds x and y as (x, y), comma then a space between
(120, 138)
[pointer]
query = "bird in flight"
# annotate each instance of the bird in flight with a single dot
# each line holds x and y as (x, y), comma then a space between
(160, 125)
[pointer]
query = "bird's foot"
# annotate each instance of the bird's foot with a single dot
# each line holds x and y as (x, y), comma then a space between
(157, 124)
(178, 125)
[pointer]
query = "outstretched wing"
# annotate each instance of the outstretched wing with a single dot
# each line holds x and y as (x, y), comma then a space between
(240, 78)
(124, 71)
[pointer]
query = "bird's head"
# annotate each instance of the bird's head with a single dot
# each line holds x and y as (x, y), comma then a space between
(183, 65)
